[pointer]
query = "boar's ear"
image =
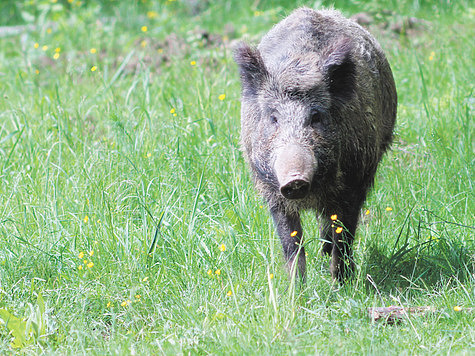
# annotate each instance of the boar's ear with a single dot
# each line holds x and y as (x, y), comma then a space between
(339, 69)
(251, 68)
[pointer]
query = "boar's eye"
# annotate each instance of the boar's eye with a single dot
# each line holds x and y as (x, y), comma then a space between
(315, 117)
(273, 118)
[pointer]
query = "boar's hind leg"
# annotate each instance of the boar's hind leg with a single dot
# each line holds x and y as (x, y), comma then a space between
(286, 224)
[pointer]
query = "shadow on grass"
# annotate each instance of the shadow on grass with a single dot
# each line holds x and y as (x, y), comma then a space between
(419, 262)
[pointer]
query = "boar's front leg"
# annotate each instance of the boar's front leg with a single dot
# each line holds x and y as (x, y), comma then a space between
(342, 234)
(286, 225)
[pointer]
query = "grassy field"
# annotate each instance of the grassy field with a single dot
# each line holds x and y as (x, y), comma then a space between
(128, 221)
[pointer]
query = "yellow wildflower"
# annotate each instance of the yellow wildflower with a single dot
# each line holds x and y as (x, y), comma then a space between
(56, 56)
(144, 28)
(86, 219)
(293, 233)
(149, 155)
(457, 308)
(145, 279)
(37, 71)
(172, 110)
(334, 217)
(36, 45)
(90, 264)
(339, 229)
(222, 247)
(93, 50)
(93, 68)
(143, 44)
(193, 63)
(109, 304)
(210, 272)
(366, 212)
(229, 293)
(57, 49)
(44, 48)
(160, 50)
(138, 296)
(222, 97)
(85, 262)
(125, 303)
(81, 255)
(389, 208)
(80, 267)
(271, 276)
(217, 272)
(432, 55)
(49, 30)
(152, 14)
(91, 253)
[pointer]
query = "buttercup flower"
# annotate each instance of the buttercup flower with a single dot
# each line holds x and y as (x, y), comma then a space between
(222, 247)
(152, 14)
(293, 233)
(125, 303)
(338, 230)
(222, 97)
(334, 217)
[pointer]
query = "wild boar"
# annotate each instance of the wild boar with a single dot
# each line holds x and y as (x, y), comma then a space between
(318, 110)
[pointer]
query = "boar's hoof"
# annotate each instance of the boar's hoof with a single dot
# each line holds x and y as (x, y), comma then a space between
(295, 189)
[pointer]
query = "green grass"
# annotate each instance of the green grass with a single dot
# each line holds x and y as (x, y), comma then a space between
(96, 161)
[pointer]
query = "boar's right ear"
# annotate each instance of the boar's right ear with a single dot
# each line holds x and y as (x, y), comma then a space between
(340, 69)
(251, 68)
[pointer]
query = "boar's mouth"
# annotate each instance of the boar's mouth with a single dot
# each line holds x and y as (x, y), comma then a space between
(294, 167)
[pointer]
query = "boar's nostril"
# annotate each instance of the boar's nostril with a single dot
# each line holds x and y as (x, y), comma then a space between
(295, 189)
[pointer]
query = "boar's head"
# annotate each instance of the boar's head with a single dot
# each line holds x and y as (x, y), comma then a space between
(291, 115)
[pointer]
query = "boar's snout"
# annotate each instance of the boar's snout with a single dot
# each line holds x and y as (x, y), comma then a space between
(294, 167)
(295, 189)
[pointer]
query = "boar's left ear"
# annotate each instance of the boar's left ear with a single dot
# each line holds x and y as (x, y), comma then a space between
(340, 69)
(251, 68)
